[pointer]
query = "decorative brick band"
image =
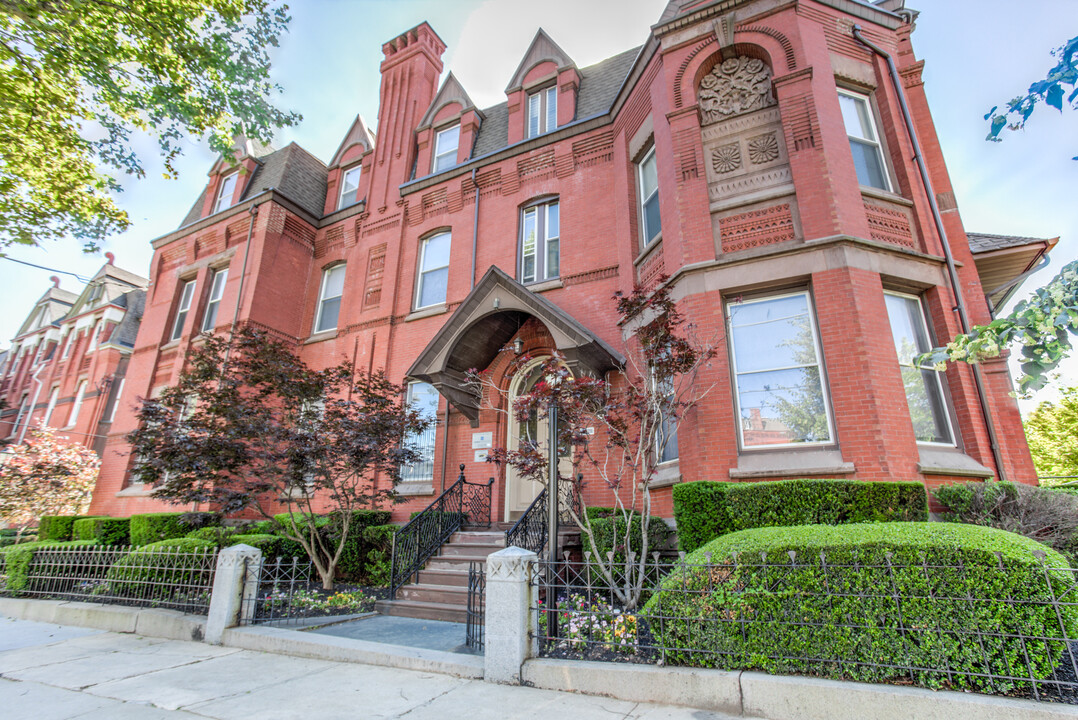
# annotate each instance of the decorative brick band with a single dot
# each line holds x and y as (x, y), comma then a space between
(771, 225)
(889, 226)
(590, 276)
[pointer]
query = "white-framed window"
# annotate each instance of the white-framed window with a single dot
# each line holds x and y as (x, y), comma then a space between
(116, 401)
(94, 332)
(424, 398)
(24, 402)
(666, 449)
(542, 111)
(66, 341)
(80, 394)
(225, 190)
(446, 143)
(540, 242)
(864, 136)
(329, 299)
(923, 384)
(217, 289)
(781, 399)
(186, 295)
(53, 396)
(648, 180)
(433, 270)
(349, 187)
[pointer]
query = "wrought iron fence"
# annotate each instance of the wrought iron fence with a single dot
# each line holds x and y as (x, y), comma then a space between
(530, 531)
(476, 615)
(169, 577)
(1009, 629)
(424, 535)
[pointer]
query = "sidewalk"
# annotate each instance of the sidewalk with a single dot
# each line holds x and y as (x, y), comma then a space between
(55, 672)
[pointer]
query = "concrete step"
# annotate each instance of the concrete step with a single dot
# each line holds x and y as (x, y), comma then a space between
(449, 595)
(475, 537)
(443, 562)
(457, 576)
(467, 549)
(422, 610)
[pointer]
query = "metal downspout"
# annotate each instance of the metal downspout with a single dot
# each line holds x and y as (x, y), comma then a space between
(952, 272)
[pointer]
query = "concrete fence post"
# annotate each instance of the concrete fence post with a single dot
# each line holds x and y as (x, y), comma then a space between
(509, 599)
(236, 580)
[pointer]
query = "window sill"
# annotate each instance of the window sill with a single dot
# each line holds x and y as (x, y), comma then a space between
(791, 463)
(666, 474)
(410, 489)
(650, 248)
(136, 490)
(320, 336)
(544, 286)
(426, 312)
(949, 461)
(880, 194)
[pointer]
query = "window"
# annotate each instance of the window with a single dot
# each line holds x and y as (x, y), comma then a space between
(116, 401)
(649, 197)
(424, 398)
(79, 395)
(51, 406)
(542, 111)
(66, 340)
(924, 387)
(445, 148)
(433, 270)
(94, 331)
(23, 403)
(225, 191)
(666, 438)
(186, 295)
(217, 289)
(864, 140)
(349, 187)
(540, 250)
(329, 301)
(776, 362)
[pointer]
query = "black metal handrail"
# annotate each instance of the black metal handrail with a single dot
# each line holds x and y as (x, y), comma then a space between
(424, 535)
(530, 531)
(475, 620)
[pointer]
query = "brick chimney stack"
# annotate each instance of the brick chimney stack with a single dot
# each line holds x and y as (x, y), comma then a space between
(410, 72)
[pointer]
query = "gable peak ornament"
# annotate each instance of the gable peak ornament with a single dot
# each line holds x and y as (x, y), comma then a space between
(734, 87)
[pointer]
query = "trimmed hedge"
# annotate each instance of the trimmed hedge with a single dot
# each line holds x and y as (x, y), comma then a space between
(841, 619)
(105, 530)
(165, 563)
(58, 527)
(353, 560)
(216, 534)
(153, 527)
(705, 510)
(18, 559)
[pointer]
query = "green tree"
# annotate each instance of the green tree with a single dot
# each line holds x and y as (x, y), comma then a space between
(79, 77)
(1052, 432)
(1050, 91)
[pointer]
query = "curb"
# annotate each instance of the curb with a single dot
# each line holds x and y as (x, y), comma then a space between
(151, 622)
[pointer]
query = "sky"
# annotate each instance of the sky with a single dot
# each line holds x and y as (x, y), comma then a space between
(977, 53)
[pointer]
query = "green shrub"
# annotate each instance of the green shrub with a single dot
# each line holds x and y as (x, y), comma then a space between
(928, 597)
(216, 534)
(153, 527)
(272, 546)
(610, 533)
(105, 530)
(18, 559)
(705, 510)
(353, 560)
(58, 527)
(377, 562)
(169, 565)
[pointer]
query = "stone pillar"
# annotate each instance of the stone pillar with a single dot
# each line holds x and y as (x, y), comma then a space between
(236, 580)
(510, 597)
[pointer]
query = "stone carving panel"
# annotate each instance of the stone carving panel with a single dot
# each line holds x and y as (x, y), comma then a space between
(756, 228)
(763, 148)
(734, 87)
(726, 159)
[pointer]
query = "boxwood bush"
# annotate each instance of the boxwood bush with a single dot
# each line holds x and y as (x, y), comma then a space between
(153, 527)
(18, 560)
(272, 546)
(705, 510)
(168, 564)
(105, 530)
(58, 527)
(927, 602)
(353, 560)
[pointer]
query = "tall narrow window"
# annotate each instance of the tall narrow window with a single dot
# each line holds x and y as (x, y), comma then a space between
(776, 360)
(329, 300)
(924, 387)
(864, 140)
(65, 344)
(433, 271)
(186, 295)
(446, 143)
(648, 177)
(80, 393)
(225, 191)
(217, 289)
(540, 242)
(23, 403)
(51, 406)
(423, 398)
(349, 187)
(666, 449)
(542, 111)
(94, 332)
(116, 400)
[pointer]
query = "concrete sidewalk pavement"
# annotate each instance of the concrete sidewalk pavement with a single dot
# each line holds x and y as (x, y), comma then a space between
(55, 672)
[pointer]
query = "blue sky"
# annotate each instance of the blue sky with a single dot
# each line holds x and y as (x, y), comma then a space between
(978, 53)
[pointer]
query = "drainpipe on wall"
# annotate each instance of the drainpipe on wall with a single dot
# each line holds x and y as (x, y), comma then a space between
(952, 272)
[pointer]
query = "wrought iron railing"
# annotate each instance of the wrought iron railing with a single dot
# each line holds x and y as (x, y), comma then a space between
(418, 541)
(476, 616)
(530, 531)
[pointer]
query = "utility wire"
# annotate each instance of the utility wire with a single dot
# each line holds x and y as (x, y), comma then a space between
(78, 277)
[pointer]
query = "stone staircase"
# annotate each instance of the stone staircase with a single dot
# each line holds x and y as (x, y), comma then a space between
(441, 592)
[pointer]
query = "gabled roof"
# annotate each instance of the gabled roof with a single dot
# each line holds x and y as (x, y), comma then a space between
(56, 300)
(358, 134)
(1003, 261)
(115, 282)
(542, 49)
(125, 333)
(451, 91)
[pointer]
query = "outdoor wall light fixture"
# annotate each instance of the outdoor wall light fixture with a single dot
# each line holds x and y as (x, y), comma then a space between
(518, 346)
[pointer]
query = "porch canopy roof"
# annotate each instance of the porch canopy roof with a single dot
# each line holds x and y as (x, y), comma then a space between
(485, 322)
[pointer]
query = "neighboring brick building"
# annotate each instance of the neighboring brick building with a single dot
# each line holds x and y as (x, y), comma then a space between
(753, 151)
(66, 365)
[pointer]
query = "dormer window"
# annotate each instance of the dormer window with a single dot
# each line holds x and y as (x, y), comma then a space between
(446, 143)
(225, 191)
(542, 111)
(349, 187)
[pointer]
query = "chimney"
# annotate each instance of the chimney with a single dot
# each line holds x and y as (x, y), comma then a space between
(410, 72)
(110, 257)
(55, 281)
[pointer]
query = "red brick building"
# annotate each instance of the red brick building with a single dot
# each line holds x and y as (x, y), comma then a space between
(755, 152)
